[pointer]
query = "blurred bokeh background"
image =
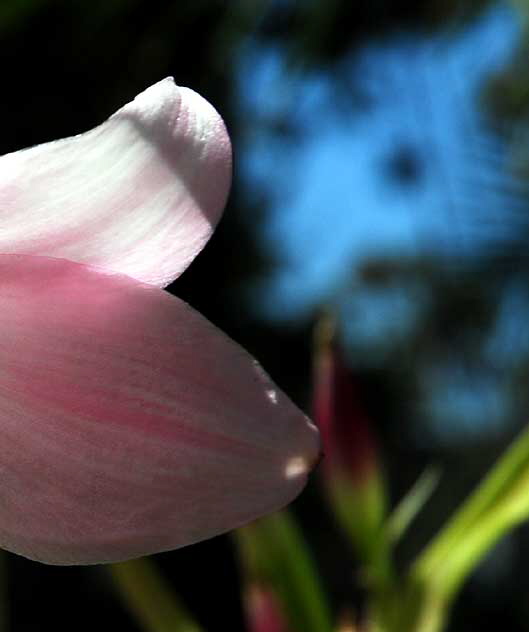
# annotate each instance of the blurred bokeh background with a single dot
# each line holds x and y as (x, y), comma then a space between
(381, 170)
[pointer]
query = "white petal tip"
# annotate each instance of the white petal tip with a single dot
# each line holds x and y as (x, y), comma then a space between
(143, 191)
(297, 466)
(159, 101)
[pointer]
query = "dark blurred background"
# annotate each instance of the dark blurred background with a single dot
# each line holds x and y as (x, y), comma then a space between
(382, 170)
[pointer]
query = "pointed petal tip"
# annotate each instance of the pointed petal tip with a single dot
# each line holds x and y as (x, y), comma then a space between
(191, 133)
(129, 425)
(172, 107)
(299, 466)
(144, 190)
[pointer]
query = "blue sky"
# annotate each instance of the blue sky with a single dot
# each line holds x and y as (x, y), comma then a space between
(332, 202)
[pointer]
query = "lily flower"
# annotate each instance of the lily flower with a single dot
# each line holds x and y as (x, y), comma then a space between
(128, 423)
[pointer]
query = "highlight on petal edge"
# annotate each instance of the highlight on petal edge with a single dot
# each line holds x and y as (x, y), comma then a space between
(140, 194)
(128, 423)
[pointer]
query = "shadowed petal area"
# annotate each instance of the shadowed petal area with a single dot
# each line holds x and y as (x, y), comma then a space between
(140, 194)
(128, 423)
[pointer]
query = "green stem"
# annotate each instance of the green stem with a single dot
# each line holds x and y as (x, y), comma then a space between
(149, 598)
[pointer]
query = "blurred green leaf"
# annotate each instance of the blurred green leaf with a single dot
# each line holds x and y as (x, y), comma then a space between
(149, 598)
(421, 601)
(360, 510)
(273, 552)
(500, 503)
(412, 503)
(14, 11)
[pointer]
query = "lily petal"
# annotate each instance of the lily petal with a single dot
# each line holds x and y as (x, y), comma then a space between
(140, 194)
(128, 423)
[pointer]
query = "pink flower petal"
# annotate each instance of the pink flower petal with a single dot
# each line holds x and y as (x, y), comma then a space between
(128, 423)
(140, 194)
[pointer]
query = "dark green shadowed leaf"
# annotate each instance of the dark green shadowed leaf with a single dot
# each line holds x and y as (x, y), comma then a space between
(149, 598)
(273, 552)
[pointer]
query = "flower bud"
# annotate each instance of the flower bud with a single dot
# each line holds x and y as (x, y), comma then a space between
(263, 611)
(351, 472)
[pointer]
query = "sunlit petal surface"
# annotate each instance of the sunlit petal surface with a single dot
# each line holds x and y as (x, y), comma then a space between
(128, 423)
(140, 194)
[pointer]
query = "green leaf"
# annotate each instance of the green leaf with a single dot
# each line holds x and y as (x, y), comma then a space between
(273, 551)
(500, 503)
(360, 510)
(149, 598)
(412, 503)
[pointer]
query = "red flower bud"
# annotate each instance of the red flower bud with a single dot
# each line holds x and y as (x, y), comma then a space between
(348, 443)
(263, 611)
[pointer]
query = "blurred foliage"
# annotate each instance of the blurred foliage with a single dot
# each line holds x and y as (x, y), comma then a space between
(273, 553)
(323, 32)
(149, 598)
